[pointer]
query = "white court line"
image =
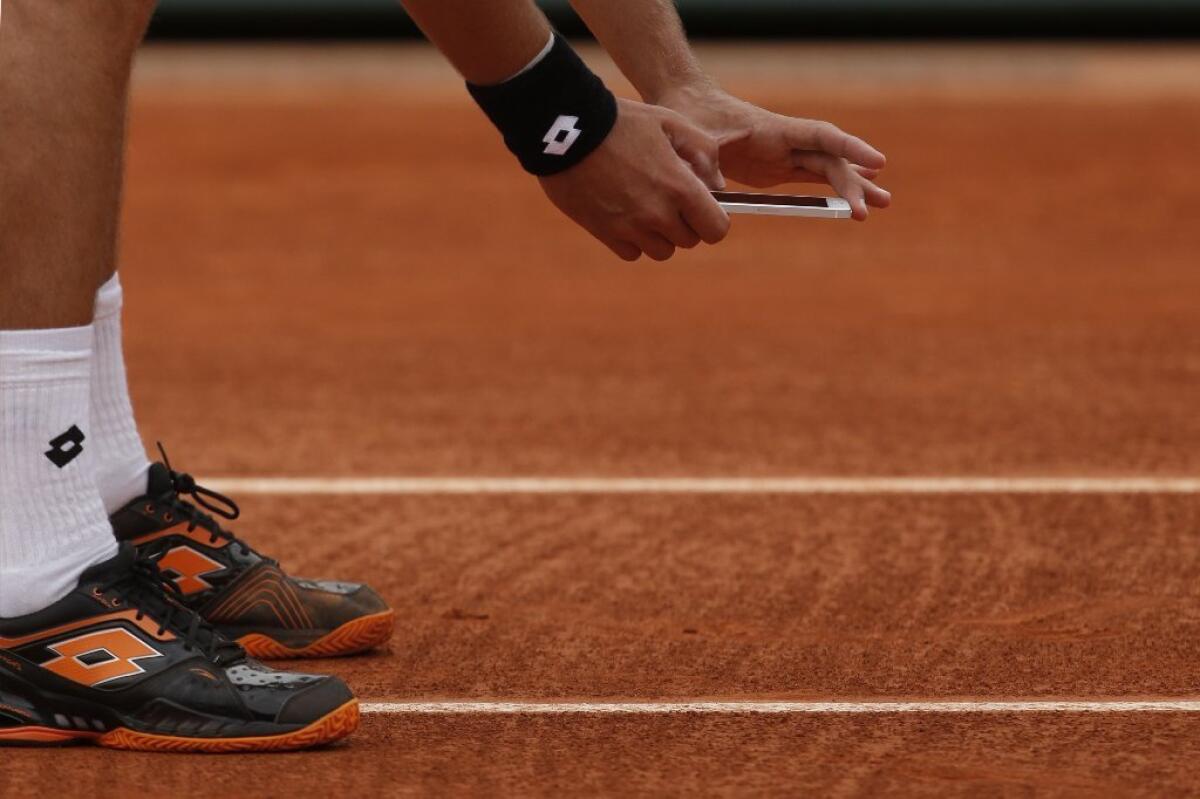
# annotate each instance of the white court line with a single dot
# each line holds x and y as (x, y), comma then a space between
(775, 708)
(705, 485)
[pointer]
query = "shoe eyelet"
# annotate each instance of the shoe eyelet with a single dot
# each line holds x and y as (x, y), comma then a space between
(168, 517)
(148, 508)
(111, 602)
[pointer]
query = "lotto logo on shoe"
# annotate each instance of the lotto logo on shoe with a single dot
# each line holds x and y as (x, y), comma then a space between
(66, 447)
(100, 657)
(186, 567)
(562, 135)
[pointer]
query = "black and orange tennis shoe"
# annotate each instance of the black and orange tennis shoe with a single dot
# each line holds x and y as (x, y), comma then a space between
(120, 663)
(243, 594)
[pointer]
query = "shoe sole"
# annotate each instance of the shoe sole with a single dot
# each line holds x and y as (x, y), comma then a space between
(331, 727)
(357, 635)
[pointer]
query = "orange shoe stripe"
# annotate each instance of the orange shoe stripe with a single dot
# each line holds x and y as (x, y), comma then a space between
(145, 624)
(264, 588)
(261, 592)
(222, 608)
(197, 534)
(44, 735)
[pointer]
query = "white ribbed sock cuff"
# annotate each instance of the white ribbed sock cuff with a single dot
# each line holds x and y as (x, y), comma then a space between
(121, 458)
(109, 299)
(58, 354)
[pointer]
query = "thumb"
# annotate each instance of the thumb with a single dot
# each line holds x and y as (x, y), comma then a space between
(696, 147)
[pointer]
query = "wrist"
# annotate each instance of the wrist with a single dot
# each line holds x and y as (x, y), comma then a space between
(683, 87)
(553, 113)
(537, 59)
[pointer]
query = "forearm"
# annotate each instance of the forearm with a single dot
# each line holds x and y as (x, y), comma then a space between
(647, 41)
(487, 42)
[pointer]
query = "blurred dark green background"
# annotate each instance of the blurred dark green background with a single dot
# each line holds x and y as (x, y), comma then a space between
(776, 18)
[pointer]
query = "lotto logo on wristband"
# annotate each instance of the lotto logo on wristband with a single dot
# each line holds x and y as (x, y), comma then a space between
(521, 106)
(562, 135)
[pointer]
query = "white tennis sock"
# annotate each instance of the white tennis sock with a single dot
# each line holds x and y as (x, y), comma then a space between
(52, 522)
(121, 462)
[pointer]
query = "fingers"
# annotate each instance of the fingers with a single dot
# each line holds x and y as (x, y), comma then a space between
(807, 134)
(660, 235)
(680, 233)
(696, 147)
(658, 238)
(877, 196)
(625, 250)
(846, 180)
(705, 216)
(654, 245)
(691, 214)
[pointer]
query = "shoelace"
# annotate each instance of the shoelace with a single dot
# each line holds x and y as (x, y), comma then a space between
(143, 589)
(184, 485)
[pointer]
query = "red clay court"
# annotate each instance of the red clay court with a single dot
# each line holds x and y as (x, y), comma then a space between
(1020, 332)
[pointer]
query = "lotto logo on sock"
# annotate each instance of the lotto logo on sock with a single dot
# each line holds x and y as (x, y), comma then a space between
(66, 447)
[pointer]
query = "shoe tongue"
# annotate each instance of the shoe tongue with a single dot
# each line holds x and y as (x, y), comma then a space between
(158, 481)
(118, 564)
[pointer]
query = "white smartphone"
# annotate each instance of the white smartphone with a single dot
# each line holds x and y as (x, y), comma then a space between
(783, 205)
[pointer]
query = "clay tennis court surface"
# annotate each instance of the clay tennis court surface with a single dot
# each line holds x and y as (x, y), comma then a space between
(333, 271)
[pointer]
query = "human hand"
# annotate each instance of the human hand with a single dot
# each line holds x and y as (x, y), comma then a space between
(646, 188)
(763, 149)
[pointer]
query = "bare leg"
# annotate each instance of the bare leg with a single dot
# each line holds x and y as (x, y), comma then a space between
(64, 77)
(64, 74)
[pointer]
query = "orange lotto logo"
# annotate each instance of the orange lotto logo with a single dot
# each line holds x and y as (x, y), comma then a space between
(185, 566)
(100, 657)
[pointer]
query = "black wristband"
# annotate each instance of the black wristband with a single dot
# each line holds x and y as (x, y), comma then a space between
(553, 115)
